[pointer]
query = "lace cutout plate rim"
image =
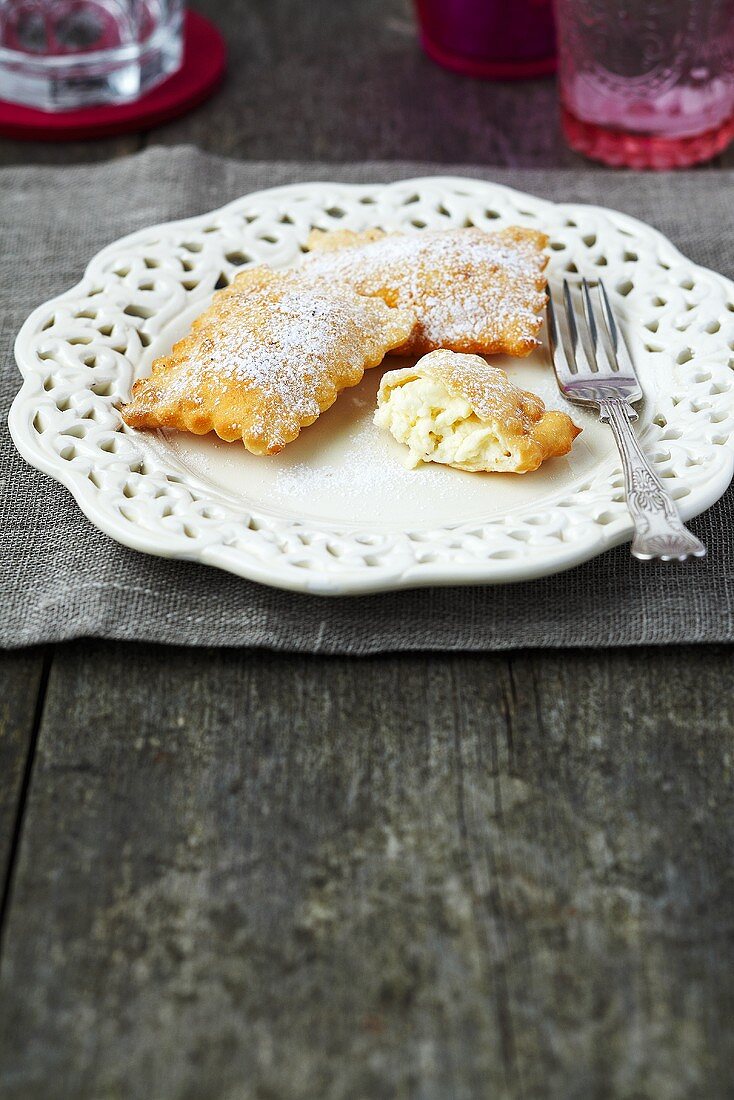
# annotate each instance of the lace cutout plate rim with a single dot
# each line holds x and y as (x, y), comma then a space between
(79, 353)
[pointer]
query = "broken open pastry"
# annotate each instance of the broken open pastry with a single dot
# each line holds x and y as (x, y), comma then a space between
(269, 355)
(471, 291)
(459, 411)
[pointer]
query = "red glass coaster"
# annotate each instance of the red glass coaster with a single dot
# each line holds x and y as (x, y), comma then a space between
(626, 150)
(204, 61)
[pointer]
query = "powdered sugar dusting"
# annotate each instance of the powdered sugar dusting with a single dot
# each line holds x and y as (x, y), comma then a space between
(364, 468)
(488, 389)
(471, 290)
(270, 353)
(345, 469)
(280, 347)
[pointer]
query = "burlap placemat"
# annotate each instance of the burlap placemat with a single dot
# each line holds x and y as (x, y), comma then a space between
(61, 578)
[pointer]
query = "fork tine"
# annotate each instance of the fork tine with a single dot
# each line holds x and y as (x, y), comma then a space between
(605, 339)
(600, 336)
(570, 315)
(589, 315)
(558, 352)
(581, 359)
(621, 351)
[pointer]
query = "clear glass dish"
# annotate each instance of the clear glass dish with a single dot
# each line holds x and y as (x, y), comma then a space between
(60, 55)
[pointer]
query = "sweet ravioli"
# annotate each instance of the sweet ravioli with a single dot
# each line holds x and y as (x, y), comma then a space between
(269, 355)
(471, 291)
(459, 411)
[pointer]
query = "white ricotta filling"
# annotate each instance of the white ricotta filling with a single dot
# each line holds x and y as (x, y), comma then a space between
(437, 426)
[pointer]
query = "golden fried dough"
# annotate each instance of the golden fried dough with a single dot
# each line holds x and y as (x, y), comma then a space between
(269, 355)
(459, 411)
(471, 291)
(329, 240)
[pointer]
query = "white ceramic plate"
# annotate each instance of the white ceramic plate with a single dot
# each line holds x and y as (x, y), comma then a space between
(337, 512)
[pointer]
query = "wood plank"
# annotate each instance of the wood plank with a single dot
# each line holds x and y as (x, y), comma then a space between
(270, 876)
(22, 676)
(68, 152)
(635, 748)
(349, 81)
(340, 82)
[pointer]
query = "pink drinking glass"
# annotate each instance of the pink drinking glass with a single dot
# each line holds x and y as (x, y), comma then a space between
(647, 83)
(495, 39)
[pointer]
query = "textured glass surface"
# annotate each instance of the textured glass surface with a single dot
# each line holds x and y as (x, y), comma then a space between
(62, 54)
(662, 67)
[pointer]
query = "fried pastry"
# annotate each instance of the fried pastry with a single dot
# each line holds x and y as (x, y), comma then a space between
(269, 355)
(329, 240)
(459, 411)
(471, 291)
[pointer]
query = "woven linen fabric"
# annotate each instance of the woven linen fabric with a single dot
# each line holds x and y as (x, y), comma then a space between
(61, 578)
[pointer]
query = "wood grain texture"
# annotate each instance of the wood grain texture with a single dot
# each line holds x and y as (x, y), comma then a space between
(349, 81)
(247, 875)
(343, 81)
(68, 152)
(260, 877)
(21, 682)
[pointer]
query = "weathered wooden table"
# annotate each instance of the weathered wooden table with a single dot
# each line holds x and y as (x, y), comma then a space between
(244, 875)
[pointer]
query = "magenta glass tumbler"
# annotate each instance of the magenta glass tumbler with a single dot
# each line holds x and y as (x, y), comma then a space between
(647, 84)
(494, 39)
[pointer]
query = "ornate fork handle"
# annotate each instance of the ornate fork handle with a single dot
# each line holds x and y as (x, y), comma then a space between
(659, 530)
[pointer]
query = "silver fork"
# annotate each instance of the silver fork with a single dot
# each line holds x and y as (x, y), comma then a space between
(607, 380)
